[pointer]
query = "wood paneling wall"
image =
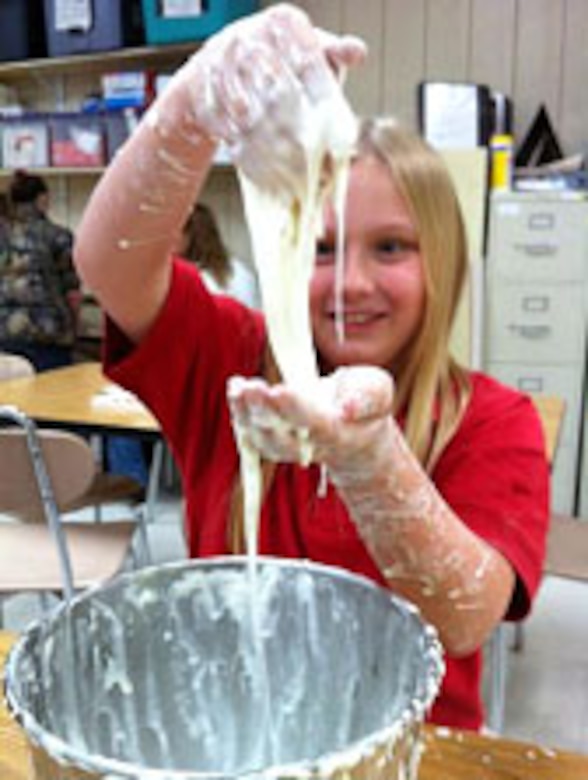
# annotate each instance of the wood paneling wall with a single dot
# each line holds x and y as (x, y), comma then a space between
(535, 51)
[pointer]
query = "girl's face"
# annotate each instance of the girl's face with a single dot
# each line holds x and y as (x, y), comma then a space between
(383, 295)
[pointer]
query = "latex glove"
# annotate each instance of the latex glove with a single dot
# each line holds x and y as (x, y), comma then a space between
(337, 422)
(252, 86)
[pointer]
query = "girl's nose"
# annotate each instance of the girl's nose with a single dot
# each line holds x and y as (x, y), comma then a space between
(357, 276)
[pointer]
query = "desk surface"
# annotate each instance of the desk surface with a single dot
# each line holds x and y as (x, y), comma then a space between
(78, 396)
(448, 755)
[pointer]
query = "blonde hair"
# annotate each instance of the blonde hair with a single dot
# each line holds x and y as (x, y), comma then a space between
(431, 388)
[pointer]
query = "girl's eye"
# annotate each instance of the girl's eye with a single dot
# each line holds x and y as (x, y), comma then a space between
(325, 252)
(390, 245)
(391, 248)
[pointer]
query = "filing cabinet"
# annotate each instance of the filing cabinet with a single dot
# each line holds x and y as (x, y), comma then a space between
(535, 312)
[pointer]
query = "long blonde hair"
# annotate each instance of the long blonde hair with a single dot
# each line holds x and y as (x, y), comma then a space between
(432, 389)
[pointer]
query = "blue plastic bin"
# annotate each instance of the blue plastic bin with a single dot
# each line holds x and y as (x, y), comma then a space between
(114, 24)
(215, 14)
(21, 34)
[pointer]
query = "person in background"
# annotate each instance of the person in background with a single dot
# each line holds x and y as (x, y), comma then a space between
(201, 242)
(4, 228)
(438, 483)
(4, 210)
(39, 289)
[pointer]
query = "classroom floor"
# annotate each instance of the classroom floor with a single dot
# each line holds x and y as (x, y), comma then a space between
(547, 699)
(547, 691)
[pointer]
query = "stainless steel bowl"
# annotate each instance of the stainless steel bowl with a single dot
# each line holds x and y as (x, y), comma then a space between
(211, 669)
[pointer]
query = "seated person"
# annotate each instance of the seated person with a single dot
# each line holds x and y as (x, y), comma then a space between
(203, 244)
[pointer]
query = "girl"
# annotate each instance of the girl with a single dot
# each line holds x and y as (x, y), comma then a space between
(438, 482)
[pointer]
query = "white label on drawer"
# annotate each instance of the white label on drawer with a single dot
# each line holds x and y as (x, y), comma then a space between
(537, 250)
(508, 209)
(535, 303)
(532, 332)
(530, 384)
(175, 9)
(541, 221)
(73, 15)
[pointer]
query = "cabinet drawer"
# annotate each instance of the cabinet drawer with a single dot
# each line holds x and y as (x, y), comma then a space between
(535, 323)
(539, 241)
(563, 381)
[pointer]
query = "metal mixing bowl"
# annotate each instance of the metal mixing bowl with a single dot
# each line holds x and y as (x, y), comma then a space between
(211, 669)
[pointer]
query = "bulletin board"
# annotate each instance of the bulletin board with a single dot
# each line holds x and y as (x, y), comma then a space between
(469, 170)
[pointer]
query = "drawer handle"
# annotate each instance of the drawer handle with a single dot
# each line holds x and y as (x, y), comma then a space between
(535, 303)
(541, 221)
(530, 384)
(537, 250)
(532, 332)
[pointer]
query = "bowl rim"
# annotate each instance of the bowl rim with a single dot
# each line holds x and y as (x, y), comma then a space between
(114, 769)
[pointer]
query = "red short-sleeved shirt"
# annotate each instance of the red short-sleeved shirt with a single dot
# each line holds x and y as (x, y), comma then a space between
(493, 473)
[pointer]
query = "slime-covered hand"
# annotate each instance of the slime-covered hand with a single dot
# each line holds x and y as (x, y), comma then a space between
(338, 421)
(256, 85)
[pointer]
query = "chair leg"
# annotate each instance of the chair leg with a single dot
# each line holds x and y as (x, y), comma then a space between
(519, 638)
(145, 556)
(97, 444)
(146, 512)
(154, 480)
(45, 600)
(498, 673)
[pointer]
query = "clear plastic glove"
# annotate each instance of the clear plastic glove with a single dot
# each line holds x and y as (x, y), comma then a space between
(337, 422)
(252, 86)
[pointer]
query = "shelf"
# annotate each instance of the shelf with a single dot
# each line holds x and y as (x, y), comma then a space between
(6, 173)
(171, 56)
(221, 165)
(167, 57)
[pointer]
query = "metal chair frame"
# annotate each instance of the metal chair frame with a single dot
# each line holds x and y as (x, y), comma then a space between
(120, 535)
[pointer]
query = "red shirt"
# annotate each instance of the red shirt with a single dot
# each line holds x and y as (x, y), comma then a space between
(493, 473)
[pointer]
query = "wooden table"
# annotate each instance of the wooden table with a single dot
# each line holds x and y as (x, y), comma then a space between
(448, 755)
(81, 398)
(77, 396)
(14, 764)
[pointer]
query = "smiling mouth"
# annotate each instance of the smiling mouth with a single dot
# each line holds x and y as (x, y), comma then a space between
(357, 318)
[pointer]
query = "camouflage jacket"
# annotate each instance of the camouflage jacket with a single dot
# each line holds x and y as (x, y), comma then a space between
(36, 275)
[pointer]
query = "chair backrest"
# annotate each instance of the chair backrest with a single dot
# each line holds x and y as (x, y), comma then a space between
(15, 366)
(69, 461)
(551, 410)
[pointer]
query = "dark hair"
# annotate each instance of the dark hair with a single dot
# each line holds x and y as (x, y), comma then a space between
(203, 244)
(4, 206)
(26, 188)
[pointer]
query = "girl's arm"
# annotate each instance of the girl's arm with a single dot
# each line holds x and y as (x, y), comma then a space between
(236, 88)
(461, 584)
